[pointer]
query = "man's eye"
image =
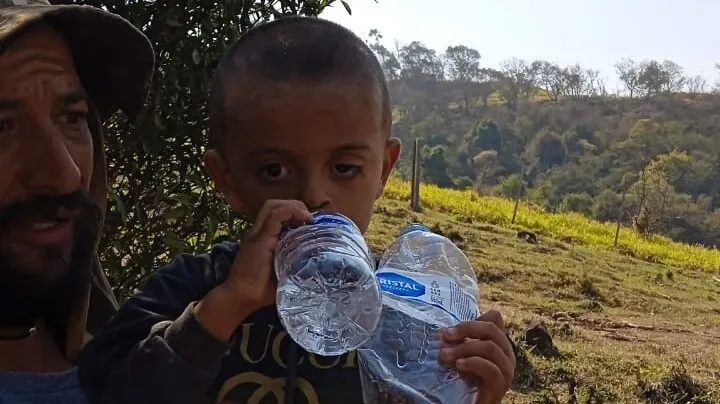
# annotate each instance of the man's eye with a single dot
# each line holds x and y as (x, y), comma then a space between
(274, 172)
(74, 118)
(346, 170)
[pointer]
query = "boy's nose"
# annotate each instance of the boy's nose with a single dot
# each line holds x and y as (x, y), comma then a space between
(314, 196)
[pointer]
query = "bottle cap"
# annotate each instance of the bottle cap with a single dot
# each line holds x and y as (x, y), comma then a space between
(332, 218)
(414, 227)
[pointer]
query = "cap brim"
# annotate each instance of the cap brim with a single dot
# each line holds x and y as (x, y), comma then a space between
(114, 60)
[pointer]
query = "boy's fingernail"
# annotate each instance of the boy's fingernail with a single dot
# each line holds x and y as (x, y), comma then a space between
(460, 363)
(446, 355)
(451, 332)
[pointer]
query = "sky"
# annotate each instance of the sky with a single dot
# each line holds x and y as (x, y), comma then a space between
(594, 33)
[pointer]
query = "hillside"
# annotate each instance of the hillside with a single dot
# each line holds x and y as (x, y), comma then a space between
(647, 153)
(616, 316)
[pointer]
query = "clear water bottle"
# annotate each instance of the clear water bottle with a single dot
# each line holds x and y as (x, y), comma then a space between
(427, 283)
(328, 298)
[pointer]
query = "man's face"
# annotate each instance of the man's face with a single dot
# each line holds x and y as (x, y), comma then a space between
(324, 145)
(47, 220)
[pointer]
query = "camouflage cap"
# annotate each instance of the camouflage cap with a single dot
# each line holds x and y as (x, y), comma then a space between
(114, 60)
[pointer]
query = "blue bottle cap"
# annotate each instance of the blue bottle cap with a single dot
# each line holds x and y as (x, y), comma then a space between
(332, 218)
(414, 227)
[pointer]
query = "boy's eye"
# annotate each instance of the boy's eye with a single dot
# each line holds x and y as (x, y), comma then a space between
(274, 172)
(346, 170)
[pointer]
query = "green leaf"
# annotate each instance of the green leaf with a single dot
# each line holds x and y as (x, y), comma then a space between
(176, 213)
(122, 209)
(347, 7)
(173, 241)
(196, 56)
(212, 226)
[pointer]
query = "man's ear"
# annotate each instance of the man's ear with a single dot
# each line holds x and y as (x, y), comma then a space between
(392, 154)
(220, 174)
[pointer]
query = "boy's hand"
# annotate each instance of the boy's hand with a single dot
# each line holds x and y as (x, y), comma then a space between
(481, 351)
(251, 283)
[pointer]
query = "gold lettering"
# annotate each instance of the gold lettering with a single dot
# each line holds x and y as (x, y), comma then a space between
(313, 360)
(276, 350)
(267, 386)
(245, 342)
(351, 361)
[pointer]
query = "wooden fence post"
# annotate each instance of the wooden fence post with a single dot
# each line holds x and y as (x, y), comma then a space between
(518, 195)
(619, 217)
(415, 190)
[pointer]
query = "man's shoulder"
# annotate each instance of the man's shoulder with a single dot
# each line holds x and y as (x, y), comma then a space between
(39, 388)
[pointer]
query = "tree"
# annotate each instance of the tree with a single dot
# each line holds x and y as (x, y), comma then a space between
(435, 166)
(388, 60)
(579, 203)
(488, 83)
(643, 143)
(551, 77)
(695, 84)
(651, 78)
(673, 77)
(579, 83)
(484, 136)
(628, 72)
(548, 149)
(420, 62)
(654, 193)
(161, 201)
(463, 63)
(605, 205)
(463, 70)
(517, 79)
(486, 166)
(656, 78)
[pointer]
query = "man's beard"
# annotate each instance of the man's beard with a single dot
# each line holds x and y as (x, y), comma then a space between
(26, 296)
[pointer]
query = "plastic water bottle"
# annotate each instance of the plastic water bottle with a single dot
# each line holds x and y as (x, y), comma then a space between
(427, 283)
(328, 298)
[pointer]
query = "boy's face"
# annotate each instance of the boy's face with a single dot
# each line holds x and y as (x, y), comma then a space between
(321, 144)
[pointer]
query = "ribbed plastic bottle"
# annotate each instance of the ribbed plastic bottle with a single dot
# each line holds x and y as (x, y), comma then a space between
(328, 298)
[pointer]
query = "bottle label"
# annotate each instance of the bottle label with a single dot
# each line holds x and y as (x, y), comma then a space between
(439, 291)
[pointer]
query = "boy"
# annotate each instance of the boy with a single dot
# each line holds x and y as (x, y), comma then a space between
(300, 121)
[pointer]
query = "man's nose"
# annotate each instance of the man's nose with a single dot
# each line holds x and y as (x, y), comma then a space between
(52, 169)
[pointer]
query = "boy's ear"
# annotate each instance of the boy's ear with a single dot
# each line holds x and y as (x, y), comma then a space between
(392, 154)
(220, 174)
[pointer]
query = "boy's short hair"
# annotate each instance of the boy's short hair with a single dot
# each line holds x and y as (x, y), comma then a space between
(294, 48)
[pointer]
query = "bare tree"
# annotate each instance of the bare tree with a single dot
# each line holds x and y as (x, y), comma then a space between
(551, 78)
(579, 81)
(518, 79)
(628, 72)
(695, 84)
(601, 86)
(487, 83)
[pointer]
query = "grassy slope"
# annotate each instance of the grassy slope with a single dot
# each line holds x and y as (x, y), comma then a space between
(615, 314)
